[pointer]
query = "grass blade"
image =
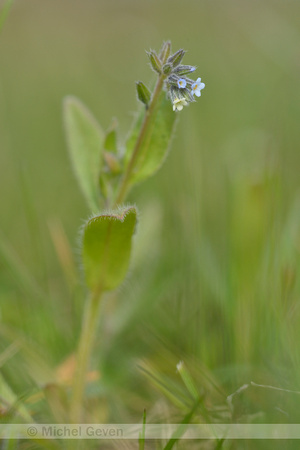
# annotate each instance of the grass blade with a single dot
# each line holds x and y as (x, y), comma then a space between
(142, 434)
(182, 427)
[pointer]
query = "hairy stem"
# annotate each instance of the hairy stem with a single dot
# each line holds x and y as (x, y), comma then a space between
(88, 332)
(125, 183)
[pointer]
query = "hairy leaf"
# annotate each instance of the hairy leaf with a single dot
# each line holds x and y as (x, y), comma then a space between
(110, 142)
(155, 140)
(85, 143)
(107, 247)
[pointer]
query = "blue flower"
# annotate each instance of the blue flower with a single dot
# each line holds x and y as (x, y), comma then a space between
(197, 87)
(181, 83)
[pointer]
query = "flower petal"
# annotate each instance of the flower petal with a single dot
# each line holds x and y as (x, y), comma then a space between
(181, 83)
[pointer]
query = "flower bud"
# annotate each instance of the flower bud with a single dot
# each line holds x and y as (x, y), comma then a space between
(154, 61)
(176, 58)
(167, 68)
(165, 51)
(143, 93)
(173, 80)
(187, 95)
(184, 70)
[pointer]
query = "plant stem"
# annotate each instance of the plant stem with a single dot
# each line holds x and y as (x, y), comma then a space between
(83, 356)
(125, 183)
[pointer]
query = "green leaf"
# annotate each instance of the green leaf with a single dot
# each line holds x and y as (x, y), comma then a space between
(85, 144)
(110, 142)
(154, 142)
(107, 247)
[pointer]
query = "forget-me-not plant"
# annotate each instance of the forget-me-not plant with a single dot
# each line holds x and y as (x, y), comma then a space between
(106, 172)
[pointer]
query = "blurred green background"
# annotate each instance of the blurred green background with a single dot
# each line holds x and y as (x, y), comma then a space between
(215, 276)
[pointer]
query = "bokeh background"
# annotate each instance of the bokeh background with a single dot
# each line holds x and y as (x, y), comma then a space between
(215, 276)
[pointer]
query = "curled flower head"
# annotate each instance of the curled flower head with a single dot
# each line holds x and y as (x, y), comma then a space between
(180, 89)
(181, 83)
(197, 87)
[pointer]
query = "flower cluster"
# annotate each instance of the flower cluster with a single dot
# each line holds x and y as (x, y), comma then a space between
(182, 91)
(180, 88)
